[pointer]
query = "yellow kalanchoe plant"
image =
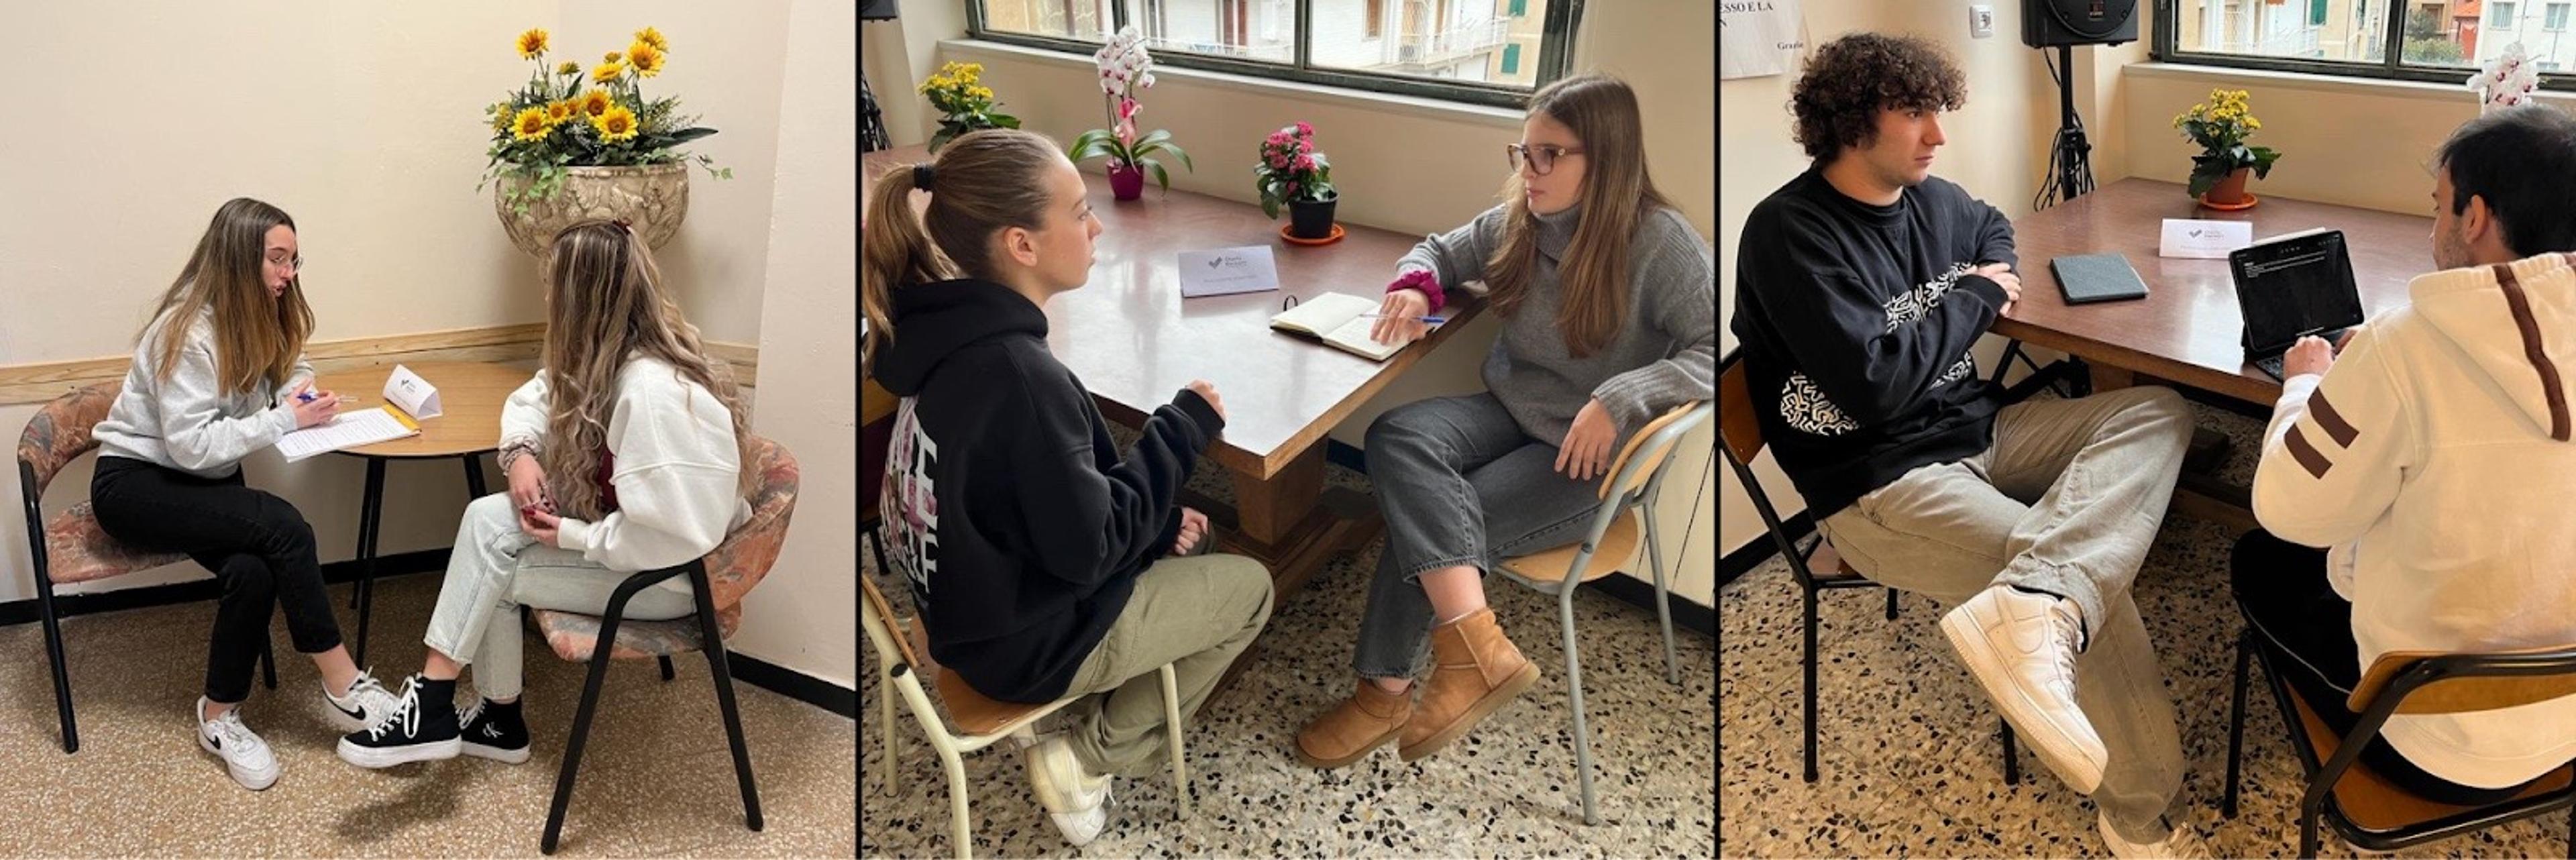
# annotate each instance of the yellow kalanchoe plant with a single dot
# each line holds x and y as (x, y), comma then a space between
(2220, 126)
(552, 122)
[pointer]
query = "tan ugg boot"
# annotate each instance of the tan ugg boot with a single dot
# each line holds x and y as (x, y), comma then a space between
(1477, 669)
(1369, 719)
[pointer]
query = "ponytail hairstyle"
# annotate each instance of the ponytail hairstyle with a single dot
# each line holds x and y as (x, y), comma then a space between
(1617, 196)
(980, 183)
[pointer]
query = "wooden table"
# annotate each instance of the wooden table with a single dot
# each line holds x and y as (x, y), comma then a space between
(470, 395)
(2187, 329)
(1135, 342)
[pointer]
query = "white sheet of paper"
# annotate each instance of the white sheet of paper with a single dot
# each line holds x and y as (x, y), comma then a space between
(413, 394)
(346, 430)
(1225, 271)
(2204, 240)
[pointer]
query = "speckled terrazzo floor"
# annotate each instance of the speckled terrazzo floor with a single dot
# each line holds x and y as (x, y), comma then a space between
(656, 781)
(1909, 764)
(1507, 790)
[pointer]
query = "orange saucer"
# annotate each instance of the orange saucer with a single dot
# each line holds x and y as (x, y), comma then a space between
(1335, 237)
(2250, 200)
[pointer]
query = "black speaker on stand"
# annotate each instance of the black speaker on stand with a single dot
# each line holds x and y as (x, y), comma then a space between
(872, 131)
(2062, 25)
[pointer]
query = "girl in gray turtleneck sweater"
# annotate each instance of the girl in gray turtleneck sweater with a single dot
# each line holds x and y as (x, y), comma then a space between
(1609, 309)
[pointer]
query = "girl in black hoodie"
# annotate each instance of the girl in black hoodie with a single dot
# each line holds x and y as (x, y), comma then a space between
(1035, 552)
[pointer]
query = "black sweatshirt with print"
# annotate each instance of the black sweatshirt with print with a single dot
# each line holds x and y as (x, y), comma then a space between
(1856, 320)
(1007, 506)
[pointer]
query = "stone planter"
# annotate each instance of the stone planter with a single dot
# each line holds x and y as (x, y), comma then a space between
(652, 197)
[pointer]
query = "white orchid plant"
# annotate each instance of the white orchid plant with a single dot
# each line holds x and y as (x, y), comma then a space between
(1125, 70)
(2507, 80)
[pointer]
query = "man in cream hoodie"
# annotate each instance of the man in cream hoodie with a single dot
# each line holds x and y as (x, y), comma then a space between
(2434, 456)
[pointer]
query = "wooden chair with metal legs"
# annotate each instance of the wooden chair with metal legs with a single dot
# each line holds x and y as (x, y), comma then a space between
(971, 721)
(1741, 433)
(1634, 480)
(71, 547)
(2365, 808)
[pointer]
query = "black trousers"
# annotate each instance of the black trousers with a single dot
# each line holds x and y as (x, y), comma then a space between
(257, 545)
(2306, 630)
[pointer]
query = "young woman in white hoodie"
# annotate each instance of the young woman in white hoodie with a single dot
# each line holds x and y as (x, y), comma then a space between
(217, 375)
(625, 453)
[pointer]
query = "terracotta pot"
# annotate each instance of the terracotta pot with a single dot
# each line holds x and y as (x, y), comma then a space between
(2229, 191)
(1127, 183)
(652, 197)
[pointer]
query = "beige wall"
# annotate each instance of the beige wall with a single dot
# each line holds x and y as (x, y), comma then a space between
(804, 611)
(2356, 143)
(1998, 150)
(362, 120)
(1378, 145)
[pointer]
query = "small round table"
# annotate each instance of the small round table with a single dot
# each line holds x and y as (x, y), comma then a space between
(470, 395)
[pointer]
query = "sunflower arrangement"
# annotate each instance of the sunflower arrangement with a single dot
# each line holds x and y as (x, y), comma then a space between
(564, 118)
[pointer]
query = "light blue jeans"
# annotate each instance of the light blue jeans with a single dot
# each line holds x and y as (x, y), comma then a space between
(496, 568)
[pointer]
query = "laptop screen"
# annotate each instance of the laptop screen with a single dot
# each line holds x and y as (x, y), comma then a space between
(2294, 287)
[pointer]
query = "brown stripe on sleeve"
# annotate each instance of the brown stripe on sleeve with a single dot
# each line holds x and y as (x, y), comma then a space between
(2550, 387)
(2308, 456)
(2341, 431)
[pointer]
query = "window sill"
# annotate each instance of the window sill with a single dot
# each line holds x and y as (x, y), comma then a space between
(1411, 106)
(2413, 90)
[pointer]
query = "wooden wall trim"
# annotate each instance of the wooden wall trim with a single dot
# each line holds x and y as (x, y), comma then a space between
(38, 382)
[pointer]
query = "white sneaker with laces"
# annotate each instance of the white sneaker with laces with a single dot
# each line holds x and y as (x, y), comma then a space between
(2021, 648)
(367, 703)
(246, 756)
(1077, 801)
(2179, 842)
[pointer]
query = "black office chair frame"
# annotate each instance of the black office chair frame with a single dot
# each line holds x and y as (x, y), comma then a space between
(711, 635)
(2318, 801)
(1809, 585)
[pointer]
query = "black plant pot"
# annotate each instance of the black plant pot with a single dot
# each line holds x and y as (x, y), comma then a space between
(1311, 220)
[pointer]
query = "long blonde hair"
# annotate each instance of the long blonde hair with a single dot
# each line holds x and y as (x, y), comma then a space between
(604, 301)
(1617, 196)
(257, 338)
(981, 182)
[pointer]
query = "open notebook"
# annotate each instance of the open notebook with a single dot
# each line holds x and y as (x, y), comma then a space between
(1337, 319)
(347, 430)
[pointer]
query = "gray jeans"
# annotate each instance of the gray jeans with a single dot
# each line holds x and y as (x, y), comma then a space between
(1459, 483)
(2066, 501)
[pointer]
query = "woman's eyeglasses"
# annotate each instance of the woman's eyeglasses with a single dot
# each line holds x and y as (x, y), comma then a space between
(1541, 158)
(294, 265)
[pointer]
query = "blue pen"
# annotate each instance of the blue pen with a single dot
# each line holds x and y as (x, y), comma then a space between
(1430, 320)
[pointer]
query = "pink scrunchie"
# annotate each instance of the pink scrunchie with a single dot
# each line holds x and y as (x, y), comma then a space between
(1423, 280)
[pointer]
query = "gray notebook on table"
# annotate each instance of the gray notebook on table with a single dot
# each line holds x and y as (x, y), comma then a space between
(2088, 278)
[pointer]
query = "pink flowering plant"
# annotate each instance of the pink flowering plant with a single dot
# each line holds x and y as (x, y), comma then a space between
(1291, 171)
(1126, 70)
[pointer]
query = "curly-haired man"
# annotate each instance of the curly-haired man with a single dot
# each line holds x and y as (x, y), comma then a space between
(1860, 287)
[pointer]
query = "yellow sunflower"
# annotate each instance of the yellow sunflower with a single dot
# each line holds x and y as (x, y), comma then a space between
(557, 113)
(500, 117)
(530, 124)
(568, 68)
(612, 57)
(652, 37)
(606, 72)
(532, 44)
(595, 103)
(615, 126)
(646, 59)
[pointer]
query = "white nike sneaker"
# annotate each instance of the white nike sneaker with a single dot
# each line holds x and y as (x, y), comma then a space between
(1075, 800)
(2179, 842)
(246, 756)
(367, 703)
(2021, 648)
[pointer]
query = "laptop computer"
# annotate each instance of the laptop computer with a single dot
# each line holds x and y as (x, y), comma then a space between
(2293, 286)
